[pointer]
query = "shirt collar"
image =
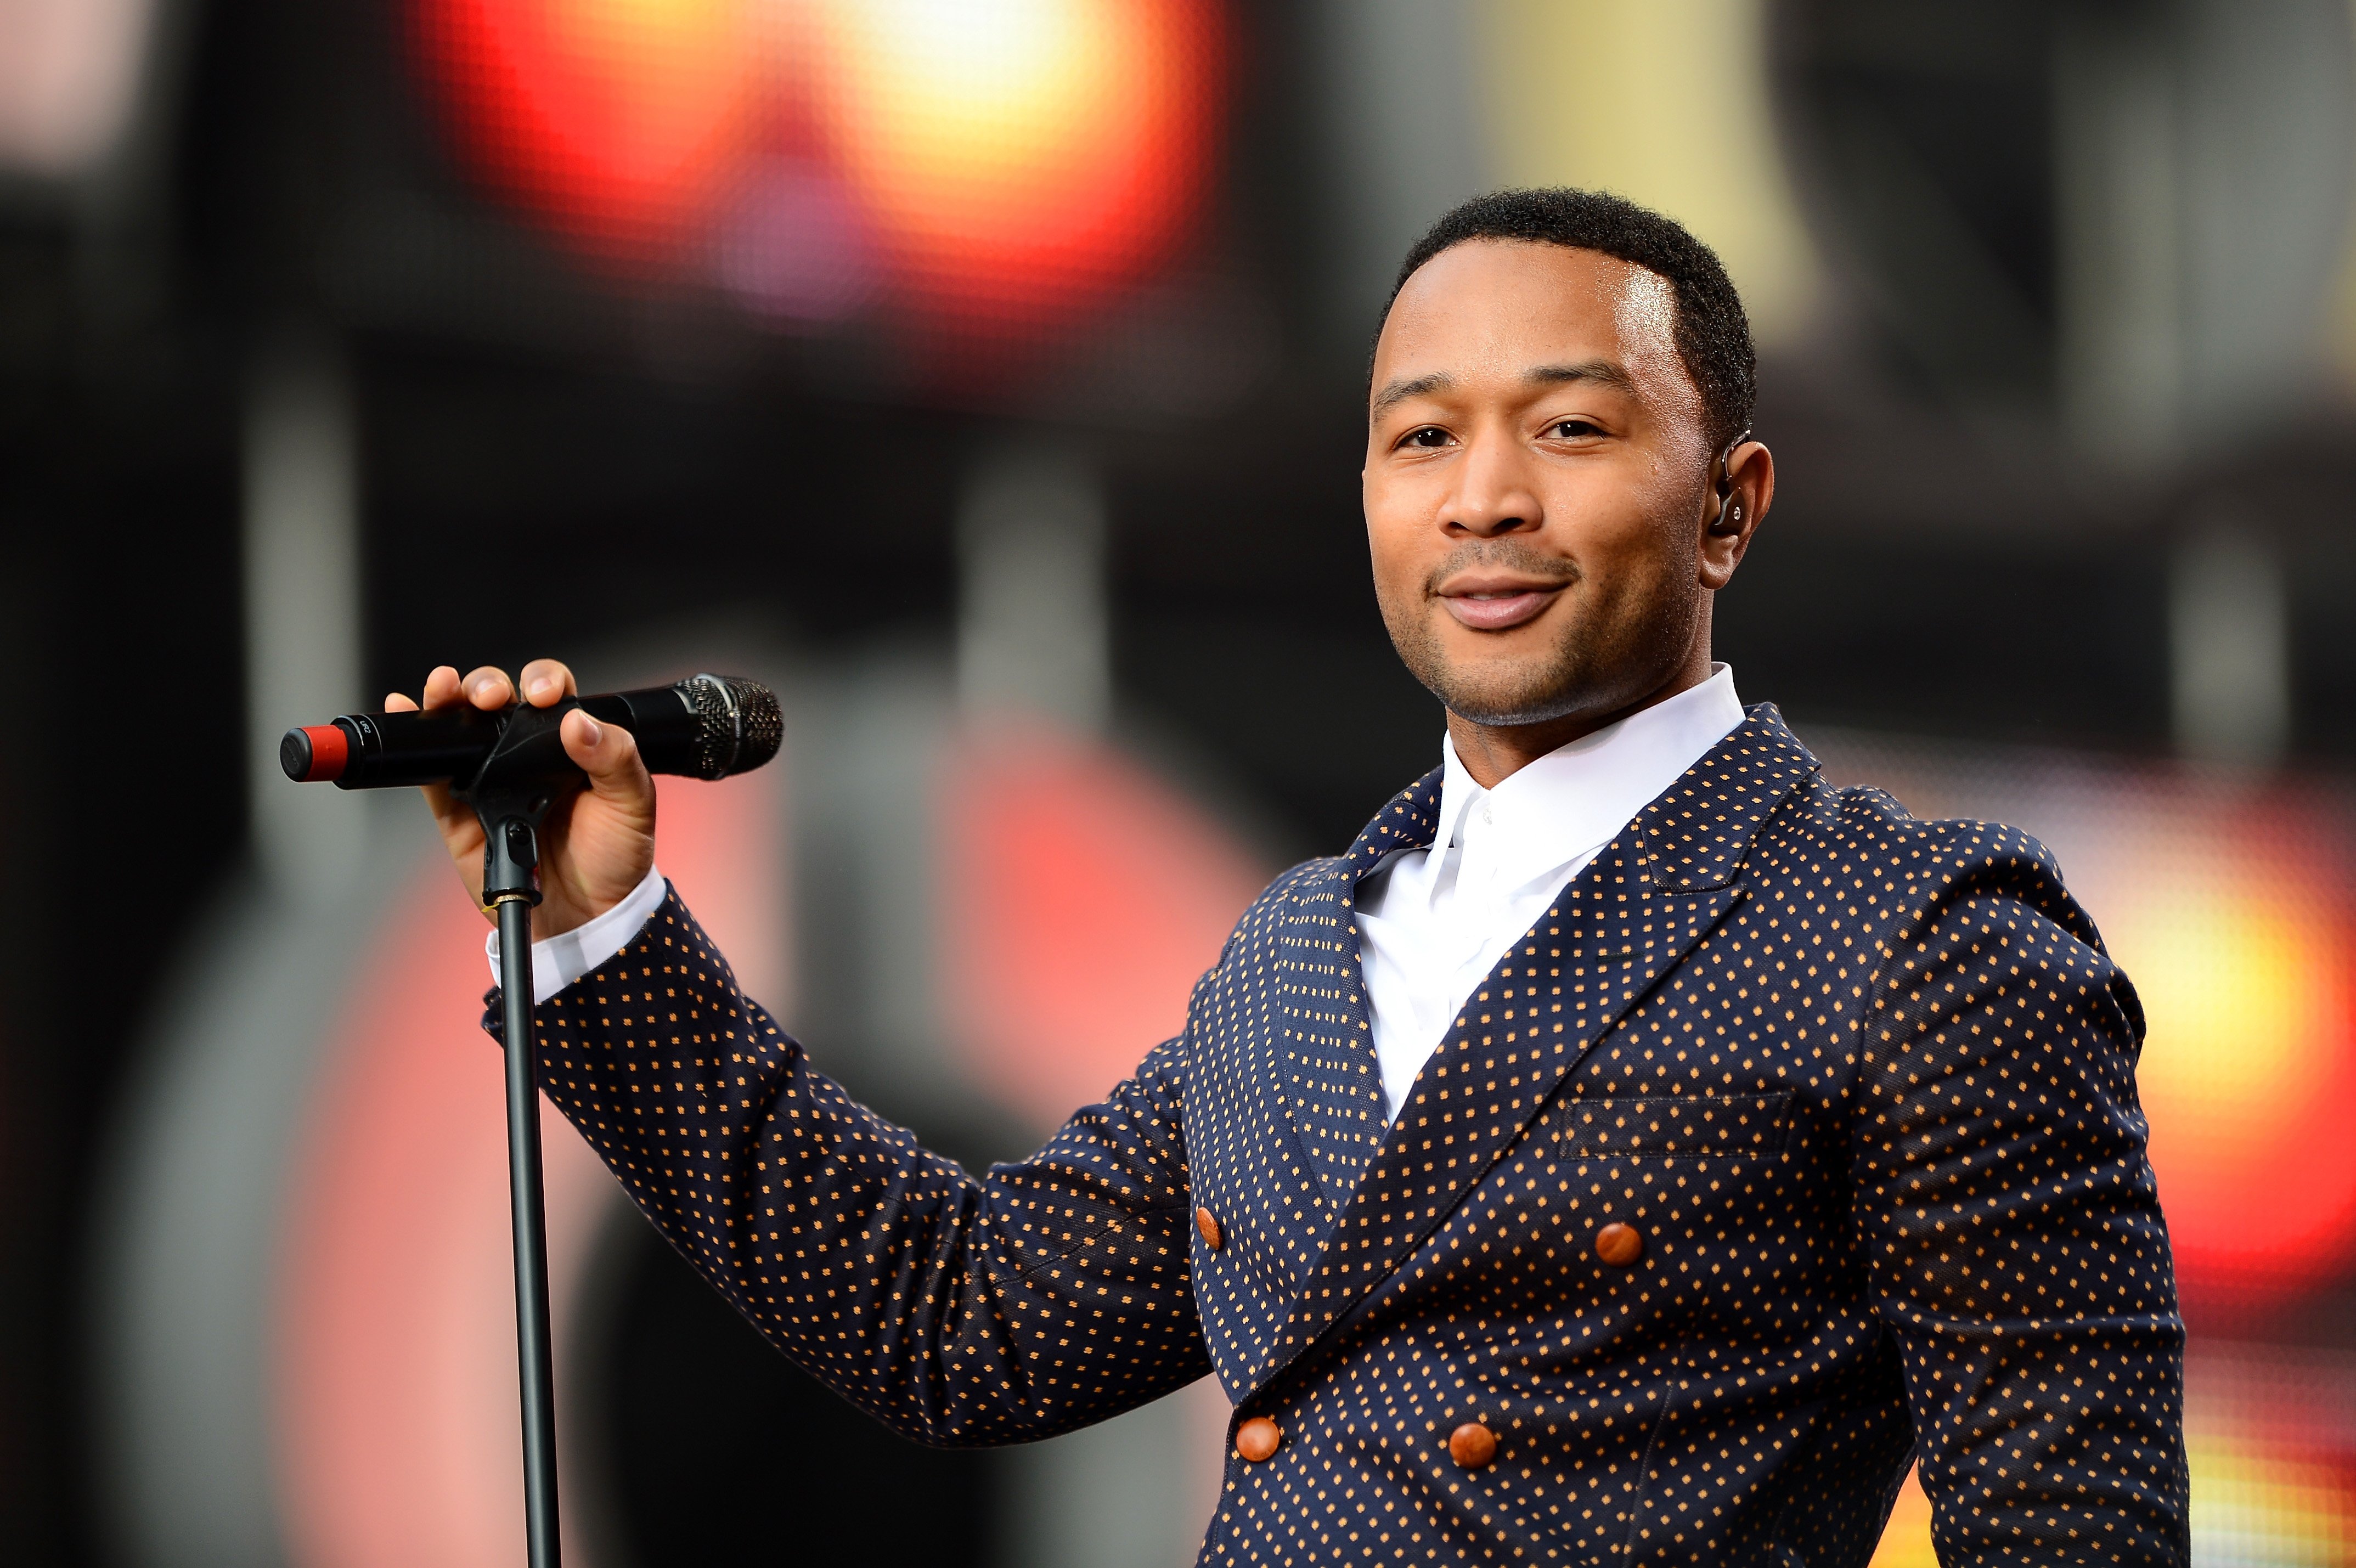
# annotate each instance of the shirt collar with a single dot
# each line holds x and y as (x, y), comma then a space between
(1576, 797)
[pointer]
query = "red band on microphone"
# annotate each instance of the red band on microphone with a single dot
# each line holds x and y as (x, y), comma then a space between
(330, 750)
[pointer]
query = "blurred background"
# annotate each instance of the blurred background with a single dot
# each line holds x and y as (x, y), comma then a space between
(987, 375)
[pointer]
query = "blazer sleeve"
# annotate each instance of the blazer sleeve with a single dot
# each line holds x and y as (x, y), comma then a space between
(2012, 1227)
(956, 1309)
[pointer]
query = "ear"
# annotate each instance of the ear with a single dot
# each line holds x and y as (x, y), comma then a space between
(1727, 526)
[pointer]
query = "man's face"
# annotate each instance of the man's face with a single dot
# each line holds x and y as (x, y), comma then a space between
(1535, 483)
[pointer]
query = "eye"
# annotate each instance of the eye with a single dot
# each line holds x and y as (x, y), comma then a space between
(1573, 429)
(1425, 436)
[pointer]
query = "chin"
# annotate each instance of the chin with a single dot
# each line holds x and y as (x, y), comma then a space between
(1514, 716)
(1507, 695)
(1531, 674)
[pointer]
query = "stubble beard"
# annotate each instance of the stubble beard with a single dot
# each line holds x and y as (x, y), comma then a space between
(1592, 664)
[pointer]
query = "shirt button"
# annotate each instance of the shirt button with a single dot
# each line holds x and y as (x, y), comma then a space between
(1472, 1445)
(1257, 1438)
(1619, 1245)
(1208, 1224)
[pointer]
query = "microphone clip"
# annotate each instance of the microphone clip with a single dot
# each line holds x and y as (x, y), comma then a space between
(511, 794)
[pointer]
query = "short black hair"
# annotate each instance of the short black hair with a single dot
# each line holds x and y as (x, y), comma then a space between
(1713, 334)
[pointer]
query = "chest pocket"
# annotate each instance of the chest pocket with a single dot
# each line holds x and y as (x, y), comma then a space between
(1667, 1126)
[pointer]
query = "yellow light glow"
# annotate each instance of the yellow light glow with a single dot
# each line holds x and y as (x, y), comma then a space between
(963, 116)
(2242, 971)
(1666, 103)
(1906, 1539)
(2248, 1506)
(1022, 148)
(2252, 1507)
(2237, 994)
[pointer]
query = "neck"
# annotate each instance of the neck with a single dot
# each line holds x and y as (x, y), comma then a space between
(1492, 753)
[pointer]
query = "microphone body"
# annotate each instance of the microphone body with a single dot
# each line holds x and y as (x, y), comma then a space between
(706, 726)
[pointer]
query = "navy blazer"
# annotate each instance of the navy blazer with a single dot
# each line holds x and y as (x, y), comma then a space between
(1862, 1085)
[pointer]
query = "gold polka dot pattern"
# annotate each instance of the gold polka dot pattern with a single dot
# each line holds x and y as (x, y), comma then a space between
(1862, 1086)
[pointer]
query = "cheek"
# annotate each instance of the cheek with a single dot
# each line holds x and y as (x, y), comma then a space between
(1612, 518)
(1394, 537)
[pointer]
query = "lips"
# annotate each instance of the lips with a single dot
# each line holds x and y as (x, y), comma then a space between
(1497, 607)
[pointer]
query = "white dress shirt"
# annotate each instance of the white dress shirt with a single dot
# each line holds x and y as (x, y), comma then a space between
(1431, 923)
(558, 961)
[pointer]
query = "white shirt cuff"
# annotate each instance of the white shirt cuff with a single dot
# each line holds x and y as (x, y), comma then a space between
(563, 958)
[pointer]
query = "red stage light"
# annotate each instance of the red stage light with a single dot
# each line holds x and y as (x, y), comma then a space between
(617, 120)
(988, 162)
(1081, 899)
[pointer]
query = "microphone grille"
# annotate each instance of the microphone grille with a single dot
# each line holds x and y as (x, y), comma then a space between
(740, 725)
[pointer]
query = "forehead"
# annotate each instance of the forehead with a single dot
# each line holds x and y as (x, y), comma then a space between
(1499, 307)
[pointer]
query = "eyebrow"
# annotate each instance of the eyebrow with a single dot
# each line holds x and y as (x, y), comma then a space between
(1604, 371)
(1400, 391)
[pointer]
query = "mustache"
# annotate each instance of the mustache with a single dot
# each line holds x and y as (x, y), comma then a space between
(1503, 555)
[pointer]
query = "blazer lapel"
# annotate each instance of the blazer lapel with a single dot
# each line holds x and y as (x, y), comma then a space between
(1619, 926)
(1332, 1083)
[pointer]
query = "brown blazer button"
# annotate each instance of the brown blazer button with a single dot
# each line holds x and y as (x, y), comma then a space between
(1257, 1438)
(1619, 1245)
(1472, 1445)
(1208, 1224)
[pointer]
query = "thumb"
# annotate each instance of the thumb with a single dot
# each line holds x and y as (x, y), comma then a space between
(609, 755)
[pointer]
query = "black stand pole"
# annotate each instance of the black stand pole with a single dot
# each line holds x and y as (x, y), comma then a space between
(533, 1359)
(519, 780)
(511, 797)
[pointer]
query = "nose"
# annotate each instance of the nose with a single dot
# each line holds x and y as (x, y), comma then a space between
(1494, 494)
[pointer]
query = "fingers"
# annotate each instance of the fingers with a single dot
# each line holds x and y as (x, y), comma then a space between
(609, 755)
(444, 688)
(460, 831)
(547, 682)
(489, 689)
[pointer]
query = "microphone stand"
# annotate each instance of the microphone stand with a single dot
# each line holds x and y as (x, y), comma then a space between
(709, 726)
(511, 795)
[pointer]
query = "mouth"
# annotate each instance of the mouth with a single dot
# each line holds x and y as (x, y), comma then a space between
(1498, 604)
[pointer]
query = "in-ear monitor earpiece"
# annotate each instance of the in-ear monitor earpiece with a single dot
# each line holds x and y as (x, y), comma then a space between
(1729, 520)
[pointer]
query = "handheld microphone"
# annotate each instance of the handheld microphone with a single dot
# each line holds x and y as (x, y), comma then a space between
(706, 726)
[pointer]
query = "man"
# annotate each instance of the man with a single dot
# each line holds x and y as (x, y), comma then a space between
(1632, 1149)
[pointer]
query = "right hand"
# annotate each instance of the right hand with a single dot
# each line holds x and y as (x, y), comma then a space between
(598, 843)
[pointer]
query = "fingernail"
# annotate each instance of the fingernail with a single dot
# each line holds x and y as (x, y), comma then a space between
(594, 731)
(482, 685)
(542, 686)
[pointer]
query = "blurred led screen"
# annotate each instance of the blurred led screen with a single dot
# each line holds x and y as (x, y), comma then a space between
(983, 165)
(2227, 900)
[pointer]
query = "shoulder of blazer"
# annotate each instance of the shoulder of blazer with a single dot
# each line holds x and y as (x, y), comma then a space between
(1876, 836)
(1276, 898)
(1910, 869)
